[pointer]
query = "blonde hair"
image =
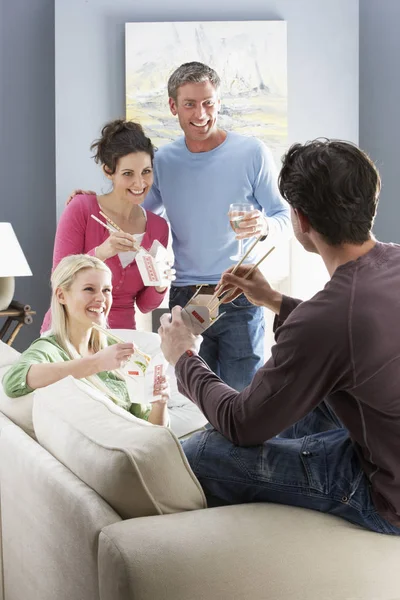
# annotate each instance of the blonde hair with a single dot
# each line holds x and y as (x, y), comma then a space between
(63, 277)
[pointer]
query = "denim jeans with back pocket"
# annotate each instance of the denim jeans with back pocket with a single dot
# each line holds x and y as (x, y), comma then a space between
(313, 464)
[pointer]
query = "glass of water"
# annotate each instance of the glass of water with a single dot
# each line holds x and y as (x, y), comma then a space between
(237, 212)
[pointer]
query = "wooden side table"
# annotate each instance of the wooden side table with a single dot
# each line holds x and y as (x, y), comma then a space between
(17, 315)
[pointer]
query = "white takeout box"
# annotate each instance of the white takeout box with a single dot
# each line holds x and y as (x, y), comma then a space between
(152, 265)
(140, 380)
(197, 316)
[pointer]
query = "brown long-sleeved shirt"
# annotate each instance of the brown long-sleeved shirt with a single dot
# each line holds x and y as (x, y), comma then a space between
(343, 345)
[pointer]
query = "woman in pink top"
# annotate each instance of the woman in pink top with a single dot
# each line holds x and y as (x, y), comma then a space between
(126, 155)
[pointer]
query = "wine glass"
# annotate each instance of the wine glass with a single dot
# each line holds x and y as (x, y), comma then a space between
(237, 211)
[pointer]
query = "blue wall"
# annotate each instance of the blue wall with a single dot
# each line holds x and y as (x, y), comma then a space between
(380, 105)
(27, 134)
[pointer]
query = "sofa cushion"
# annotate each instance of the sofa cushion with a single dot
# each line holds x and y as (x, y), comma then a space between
(18, 410)
(138, 468)
(247, 552)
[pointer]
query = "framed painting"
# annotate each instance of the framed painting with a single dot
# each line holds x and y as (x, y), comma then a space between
(249, 56)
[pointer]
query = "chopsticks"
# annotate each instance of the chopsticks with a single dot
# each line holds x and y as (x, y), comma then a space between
(110, 221)
(119, 340)
(112, 227)
(247, 253)
(105, 225)
(214, 296)
(226, 292)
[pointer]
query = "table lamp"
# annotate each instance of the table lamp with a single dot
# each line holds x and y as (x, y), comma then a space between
(12, 264)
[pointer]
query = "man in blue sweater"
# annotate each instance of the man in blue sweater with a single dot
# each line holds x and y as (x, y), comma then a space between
(196, 178)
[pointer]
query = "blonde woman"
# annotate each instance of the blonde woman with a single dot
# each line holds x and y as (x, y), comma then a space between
(81, 295)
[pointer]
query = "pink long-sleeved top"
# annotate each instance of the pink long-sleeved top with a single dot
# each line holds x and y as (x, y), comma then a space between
(78, 233)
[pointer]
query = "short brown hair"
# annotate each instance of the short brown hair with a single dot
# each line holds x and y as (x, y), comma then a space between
(191, 72)
(335, 185)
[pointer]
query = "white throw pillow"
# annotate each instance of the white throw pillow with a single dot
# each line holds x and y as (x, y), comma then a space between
(138, 468)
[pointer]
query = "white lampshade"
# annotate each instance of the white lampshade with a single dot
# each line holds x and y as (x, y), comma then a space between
(12, 263)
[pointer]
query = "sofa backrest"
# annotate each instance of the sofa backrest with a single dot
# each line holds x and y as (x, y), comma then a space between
(19, 410)
(3, 423)
(138, 468)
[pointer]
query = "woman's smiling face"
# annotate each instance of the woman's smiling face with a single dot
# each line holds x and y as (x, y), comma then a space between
(133, 177)
(88, 299)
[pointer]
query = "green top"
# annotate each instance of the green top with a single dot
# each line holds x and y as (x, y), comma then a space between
(47, 350)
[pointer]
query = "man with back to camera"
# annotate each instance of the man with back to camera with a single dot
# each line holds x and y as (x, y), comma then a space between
(319, 425)
(196, 178)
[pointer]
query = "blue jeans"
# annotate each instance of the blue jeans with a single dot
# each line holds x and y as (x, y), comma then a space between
(313, 464)
(234, 346)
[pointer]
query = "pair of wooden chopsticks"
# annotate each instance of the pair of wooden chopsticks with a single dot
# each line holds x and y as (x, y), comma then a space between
(119, 340)
(215, 296)
(107, 218)
(226, 293)
(111, 227)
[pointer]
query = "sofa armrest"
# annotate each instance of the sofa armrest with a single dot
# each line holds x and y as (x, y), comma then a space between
(51, 523)
(257, 551)
(4, 422)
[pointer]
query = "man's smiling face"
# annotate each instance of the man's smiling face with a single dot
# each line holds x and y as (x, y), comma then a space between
(197, 107)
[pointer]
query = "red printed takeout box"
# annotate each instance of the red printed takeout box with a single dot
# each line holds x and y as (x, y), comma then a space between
(152, 265)
(142, 373)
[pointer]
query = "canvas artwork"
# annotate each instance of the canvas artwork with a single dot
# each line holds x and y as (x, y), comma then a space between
(249, 56)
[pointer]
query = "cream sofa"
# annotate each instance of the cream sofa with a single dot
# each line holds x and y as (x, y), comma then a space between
(104, 506)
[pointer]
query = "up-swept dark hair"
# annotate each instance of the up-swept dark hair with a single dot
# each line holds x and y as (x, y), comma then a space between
(119, 138)
(335, 185)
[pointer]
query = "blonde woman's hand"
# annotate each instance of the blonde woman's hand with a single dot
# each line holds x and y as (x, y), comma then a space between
(113, 357)
(159, 408)
(76, 192)
(162, 390)
(118, 241)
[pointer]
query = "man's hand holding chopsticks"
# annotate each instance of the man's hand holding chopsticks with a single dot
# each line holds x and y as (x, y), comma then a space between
(254, 286)
(253, 224)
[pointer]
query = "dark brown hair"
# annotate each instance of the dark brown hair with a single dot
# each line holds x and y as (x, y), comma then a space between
(335, 185)
(119, 138)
